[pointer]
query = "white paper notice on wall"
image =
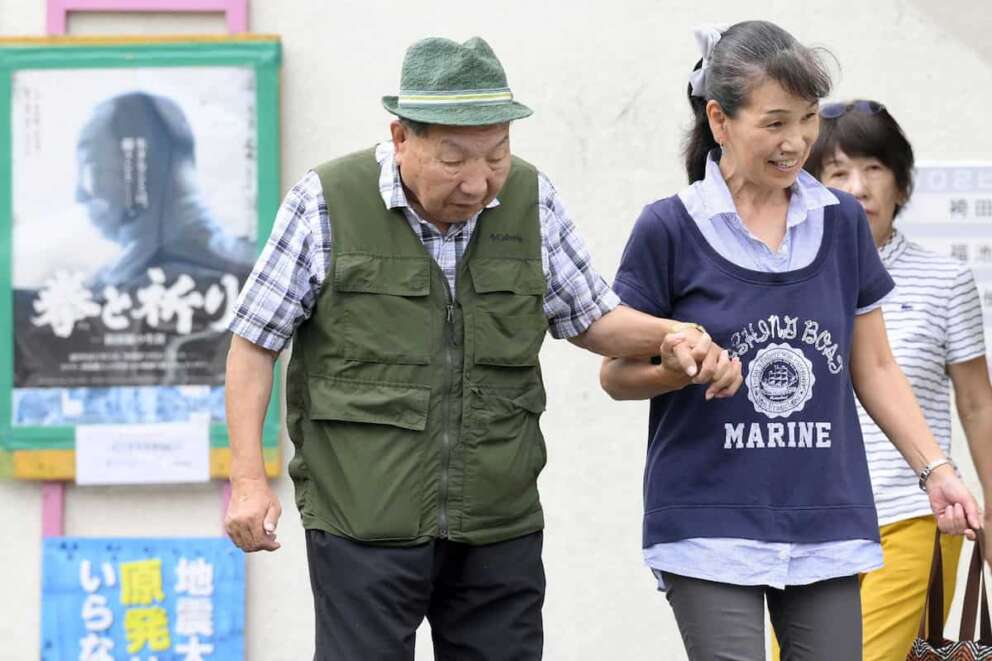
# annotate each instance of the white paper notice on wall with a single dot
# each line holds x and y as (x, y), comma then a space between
(160, 453)
(950, 213)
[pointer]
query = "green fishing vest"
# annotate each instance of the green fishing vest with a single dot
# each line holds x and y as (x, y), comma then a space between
(414, 414)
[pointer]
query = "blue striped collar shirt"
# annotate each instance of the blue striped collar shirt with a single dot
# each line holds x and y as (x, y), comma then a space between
(711, 205)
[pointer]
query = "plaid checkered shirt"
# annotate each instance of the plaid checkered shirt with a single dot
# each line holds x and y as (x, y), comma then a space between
(283, 287)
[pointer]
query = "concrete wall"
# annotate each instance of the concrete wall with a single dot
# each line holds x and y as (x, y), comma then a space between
(607, 82)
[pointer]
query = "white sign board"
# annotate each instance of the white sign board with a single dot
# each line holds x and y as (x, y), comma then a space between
(143, 454)
(950, 213)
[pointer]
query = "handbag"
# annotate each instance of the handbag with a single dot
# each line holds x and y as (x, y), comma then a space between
(930, 643)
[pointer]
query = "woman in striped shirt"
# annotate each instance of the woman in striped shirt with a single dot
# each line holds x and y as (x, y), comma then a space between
(934, 322)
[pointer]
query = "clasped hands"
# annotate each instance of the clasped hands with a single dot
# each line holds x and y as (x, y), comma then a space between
(690, 352)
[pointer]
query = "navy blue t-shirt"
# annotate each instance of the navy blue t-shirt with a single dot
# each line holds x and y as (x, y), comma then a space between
(782, 460)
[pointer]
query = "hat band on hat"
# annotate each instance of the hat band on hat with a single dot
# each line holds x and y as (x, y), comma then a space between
(463, 97)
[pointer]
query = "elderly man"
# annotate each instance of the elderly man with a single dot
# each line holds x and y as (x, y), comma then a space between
(417, 281)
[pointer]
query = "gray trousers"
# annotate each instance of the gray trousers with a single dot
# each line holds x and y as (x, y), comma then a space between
(724, 622)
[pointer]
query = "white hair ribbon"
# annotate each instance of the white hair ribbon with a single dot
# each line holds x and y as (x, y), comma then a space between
(707, 37)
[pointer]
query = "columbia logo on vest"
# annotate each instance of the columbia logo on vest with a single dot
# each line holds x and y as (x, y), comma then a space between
(506, 237)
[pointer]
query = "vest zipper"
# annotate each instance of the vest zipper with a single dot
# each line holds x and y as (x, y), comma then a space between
(449, 339)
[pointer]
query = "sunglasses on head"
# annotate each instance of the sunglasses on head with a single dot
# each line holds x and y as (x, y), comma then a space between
(835, 110)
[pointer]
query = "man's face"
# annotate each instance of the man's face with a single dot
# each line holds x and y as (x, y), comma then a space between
(452, 172)
(100, 187)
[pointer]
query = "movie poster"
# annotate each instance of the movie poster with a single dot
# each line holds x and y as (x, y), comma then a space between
(134, 227)
(139, 179)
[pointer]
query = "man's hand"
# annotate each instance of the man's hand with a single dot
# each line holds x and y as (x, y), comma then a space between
(956, 510)
(693, 353)
(682, 351)
(252, 515)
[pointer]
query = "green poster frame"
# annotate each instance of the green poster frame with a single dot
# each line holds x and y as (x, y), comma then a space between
(46, 453)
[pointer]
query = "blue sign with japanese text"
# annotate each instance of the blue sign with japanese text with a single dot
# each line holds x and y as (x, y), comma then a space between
(158, 599)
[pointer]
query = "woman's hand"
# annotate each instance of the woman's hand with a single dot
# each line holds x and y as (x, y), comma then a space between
(956, 510)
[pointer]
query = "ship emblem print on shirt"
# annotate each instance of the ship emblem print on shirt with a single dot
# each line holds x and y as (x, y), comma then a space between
(780, 380)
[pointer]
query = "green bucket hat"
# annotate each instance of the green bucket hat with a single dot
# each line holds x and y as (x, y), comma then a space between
(444, 82)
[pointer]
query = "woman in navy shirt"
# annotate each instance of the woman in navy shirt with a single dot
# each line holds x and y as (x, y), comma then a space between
(766, 494)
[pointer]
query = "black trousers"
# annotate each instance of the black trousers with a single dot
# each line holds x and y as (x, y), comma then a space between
(482, 602)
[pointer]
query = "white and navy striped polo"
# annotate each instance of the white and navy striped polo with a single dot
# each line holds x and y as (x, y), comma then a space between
(934, 319)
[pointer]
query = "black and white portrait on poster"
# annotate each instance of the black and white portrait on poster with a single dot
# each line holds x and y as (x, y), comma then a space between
(134, 194)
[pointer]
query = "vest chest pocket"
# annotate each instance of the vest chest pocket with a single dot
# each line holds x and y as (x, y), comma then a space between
(509, 323)
(385, 307)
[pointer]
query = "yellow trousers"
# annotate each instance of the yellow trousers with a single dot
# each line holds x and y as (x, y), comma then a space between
(892, 597)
